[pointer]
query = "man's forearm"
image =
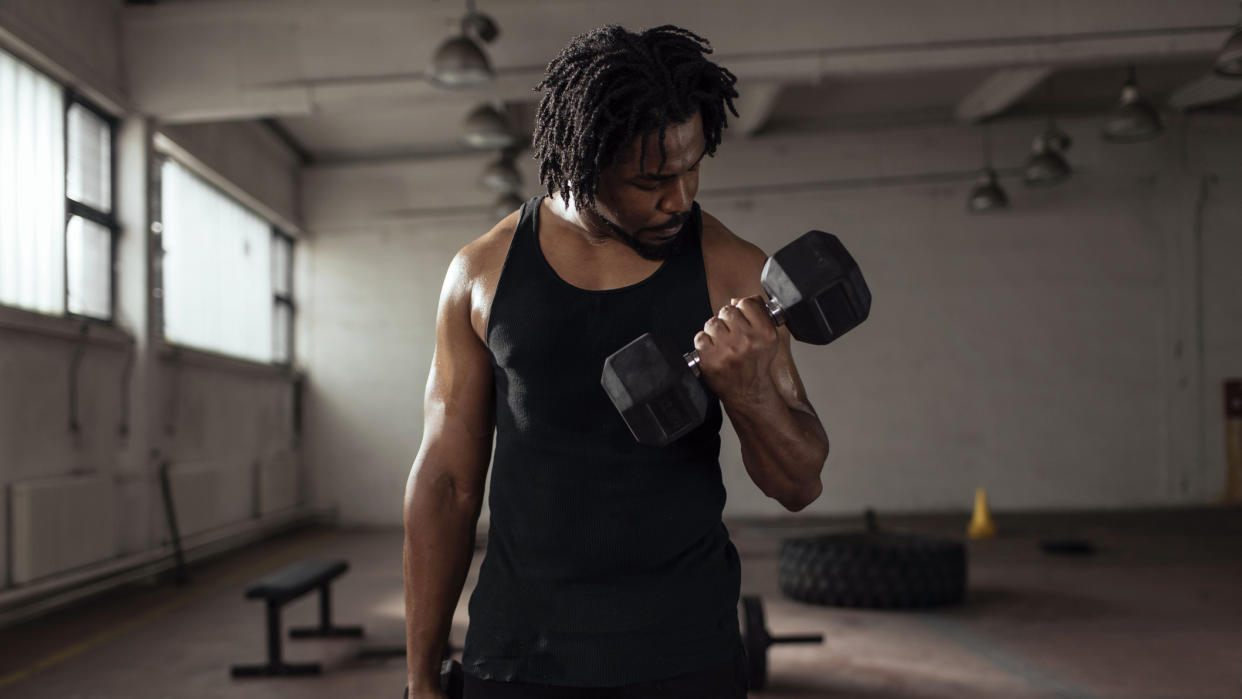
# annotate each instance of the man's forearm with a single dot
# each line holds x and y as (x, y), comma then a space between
(783, 448)
(439, 543)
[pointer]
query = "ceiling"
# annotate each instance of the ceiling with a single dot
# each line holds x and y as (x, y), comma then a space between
(347, 81)
(903, 99)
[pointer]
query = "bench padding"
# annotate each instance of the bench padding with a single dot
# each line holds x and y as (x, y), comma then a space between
(295, 580)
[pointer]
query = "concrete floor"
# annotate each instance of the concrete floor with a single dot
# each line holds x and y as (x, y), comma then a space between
(1156, 612)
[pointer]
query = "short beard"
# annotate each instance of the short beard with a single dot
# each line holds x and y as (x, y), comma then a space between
(650, 251)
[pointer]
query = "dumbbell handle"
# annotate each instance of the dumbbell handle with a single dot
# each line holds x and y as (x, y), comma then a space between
(775, 311)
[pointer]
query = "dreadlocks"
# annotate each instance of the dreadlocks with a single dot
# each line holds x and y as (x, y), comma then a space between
(609, 86)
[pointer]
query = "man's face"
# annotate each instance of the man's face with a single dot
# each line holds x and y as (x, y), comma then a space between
(646, 208)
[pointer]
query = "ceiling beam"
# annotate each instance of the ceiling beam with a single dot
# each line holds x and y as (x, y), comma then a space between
(1204, 91)
(998, 92)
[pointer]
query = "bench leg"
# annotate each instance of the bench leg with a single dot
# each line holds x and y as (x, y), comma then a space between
(325, 628)
(275, 666)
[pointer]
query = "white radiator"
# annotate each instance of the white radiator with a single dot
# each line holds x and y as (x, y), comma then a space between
(211, 493)
(278, 483)
(59, 524)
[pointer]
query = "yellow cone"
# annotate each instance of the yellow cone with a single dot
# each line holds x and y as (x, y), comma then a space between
(981, 524)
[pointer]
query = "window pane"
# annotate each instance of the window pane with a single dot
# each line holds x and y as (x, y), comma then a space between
(89, 258)
(32, 189)
(217, 269)
(282, 257)
(281, 325)
(89, 178)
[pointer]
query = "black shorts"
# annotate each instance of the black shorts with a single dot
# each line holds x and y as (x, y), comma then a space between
(726, 681)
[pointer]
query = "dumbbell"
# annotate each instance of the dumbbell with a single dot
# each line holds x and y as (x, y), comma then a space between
(450, 680)
(815, 289)
(757, 639)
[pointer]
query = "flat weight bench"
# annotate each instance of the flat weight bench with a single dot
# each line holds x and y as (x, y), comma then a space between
(286, 585)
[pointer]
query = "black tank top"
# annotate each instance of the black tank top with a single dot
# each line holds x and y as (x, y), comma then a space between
(607, 562)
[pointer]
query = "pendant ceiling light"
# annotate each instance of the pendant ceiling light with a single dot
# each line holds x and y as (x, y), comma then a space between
(1046, 165)
(506, 204)
(488, 128)
(460, 61)
(1134, 119)
(501, 174)
(1229, 60)
(987, 194)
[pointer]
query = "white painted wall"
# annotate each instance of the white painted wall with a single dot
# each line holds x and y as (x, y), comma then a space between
(76, 41)
(1051, 353)
(193, 409)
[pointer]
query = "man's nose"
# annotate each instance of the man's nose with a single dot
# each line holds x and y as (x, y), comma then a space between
(677, 197)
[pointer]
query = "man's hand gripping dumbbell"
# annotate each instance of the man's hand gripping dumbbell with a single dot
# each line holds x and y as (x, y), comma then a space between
(815, 289)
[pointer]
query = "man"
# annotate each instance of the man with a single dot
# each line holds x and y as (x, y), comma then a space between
(608, 571)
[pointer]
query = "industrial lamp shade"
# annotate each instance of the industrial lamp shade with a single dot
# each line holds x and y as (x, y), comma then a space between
(1229, 60)
(1057, 139)
(501, 176)
(486, 128)
(1134, 119)
(1045, 165)
(506, 204)
(987, 194)
(460, 63)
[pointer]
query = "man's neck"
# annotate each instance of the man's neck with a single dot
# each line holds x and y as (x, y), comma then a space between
(583, 223)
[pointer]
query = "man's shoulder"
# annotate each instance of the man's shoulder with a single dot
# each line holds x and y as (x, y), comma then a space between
(729, 255)
(474, 271)
(484, 255)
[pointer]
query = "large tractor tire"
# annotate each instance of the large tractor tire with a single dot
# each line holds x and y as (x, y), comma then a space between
(874, 569)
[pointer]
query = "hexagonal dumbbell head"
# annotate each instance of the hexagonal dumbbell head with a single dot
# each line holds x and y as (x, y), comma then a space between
(655, 391)
(818, 285)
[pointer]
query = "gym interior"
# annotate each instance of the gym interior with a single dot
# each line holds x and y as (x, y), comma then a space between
(224, 226)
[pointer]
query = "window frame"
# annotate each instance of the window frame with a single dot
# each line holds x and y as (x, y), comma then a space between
(156, 193)
(286, 300)
(87, 212)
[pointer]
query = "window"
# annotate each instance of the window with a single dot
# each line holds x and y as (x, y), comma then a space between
(57, 227)
(32, 189)
(227, 273)
(91, 226)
